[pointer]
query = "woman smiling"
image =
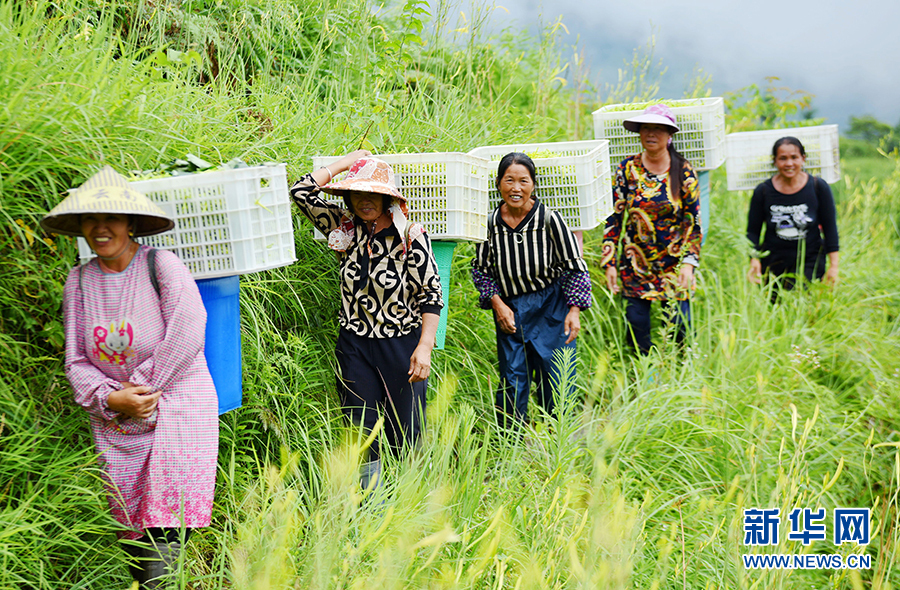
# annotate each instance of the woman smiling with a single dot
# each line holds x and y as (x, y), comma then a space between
(793, 206)
(531, 274)
(390, 299)
(135, 335)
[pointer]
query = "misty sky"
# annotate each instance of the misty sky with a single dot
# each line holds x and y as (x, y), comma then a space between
(846, 53)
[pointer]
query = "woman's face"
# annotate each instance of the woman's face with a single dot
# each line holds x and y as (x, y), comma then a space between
(106, 233)
(516, 187)
(654, 137)
(367, 206)
(789, 161)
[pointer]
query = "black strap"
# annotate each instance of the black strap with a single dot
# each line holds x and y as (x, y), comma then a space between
(151, 266)
(816, 188)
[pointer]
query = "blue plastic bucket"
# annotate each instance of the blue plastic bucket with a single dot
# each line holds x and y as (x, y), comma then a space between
(443, 255)
(703, 181)
(223, 338)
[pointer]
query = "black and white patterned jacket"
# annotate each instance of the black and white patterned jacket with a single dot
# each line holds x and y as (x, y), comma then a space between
(385, 293)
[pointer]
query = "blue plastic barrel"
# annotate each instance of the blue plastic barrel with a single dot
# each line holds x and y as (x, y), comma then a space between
(223, 338)
(703, 181)
(443, 255)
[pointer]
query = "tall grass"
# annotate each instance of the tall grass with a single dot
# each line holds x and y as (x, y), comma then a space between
(640, 485)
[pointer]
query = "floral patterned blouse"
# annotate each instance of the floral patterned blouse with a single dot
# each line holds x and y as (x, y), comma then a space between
(657, 231)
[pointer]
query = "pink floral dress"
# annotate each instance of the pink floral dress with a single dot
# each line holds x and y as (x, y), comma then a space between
(160, 472)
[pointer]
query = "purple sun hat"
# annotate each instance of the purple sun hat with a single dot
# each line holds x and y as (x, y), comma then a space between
(657, 113)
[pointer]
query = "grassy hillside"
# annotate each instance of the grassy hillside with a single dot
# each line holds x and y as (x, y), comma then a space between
(641, 486)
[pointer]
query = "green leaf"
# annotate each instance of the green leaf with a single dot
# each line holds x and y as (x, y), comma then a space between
(200, 163)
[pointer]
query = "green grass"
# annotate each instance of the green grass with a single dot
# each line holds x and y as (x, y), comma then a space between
(874, 167)
(640, 486)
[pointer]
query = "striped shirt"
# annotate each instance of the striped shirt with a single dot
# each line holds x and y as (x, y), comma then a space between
(530, 258)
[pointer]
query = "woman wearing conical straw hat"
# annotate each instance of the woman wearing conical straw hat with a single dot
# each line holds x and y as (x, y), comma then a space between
(390, 299)
(135, 360)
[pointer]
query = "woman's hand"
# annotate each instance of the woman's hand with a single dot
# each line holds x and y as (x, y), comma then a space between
(420, 363)
(754, 275)
(348, 160)
(323, 175)
(573, 323)
(134, 402)
(831, 275)
(686, 278)
(504, 316)
(612, 279)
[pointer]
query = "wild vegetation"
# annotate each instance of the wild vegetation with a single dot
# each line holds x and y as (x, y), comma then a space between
(641, 485)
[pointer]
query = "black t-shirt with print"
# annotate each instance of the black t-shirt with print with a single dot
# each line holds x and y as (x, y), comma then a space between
(792, 221)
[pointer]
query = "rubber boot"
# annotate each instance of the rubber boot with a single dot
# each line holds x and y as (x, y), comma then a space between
(370, 475)
(159, 563)
(135, 563)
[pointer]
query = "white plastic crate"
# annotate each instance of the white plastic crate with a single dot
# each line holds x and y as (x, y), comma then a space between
(750, 154)
(573, 178)
(446, 192)
(227, 222)
(701, 135)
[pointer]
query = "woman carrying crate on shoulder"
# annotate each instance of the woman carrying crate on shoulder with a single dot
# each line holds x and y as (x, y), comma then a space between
(656, 220)
(793, 206)
(390, 299)
(530, 272)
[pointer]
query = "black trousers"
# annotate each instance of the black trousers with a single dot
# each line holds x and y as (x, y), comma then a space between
(164, 535)
(374, 380)
(637, 312)
(786, 269)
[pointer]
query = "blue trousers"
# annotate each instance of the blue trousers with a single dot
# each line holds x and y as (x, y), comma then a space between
(527, 355)
(637, 312)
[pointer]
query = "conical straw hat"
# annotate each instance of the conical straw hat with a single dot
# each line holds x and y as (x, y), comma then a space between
(107, 191)
(368, 175)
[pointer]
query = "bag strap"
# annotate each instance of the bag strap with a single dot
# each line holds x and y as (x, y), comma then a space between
(816, 188)
(406, 248)
(151, 267)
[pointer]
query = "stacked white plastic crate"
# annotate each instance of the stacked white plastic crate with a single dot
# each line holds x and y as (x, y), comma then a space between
(573, 178)
(701, 135)
(750, 159)
(445, 192)
(227, 222)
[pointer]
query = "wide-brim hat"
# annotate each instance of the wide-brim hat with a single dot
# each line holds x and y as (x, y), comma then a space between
(659, 114)
(366, 175)
(107, 191)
